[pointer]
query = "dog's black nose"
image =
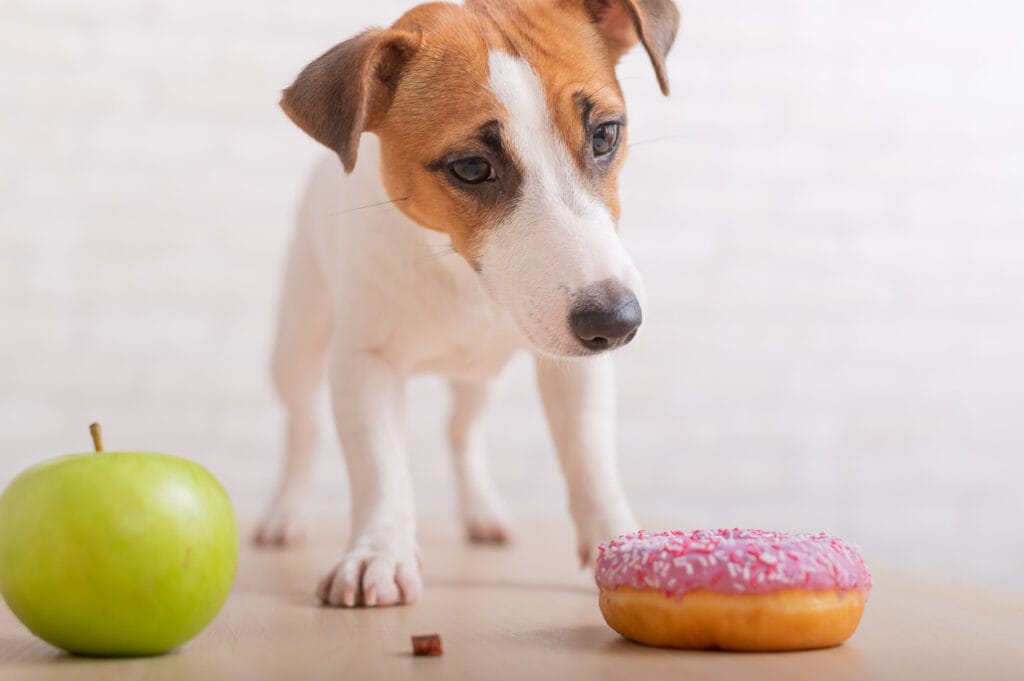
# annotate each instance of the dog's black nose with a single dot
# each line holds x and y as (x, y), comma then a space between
(605, 315)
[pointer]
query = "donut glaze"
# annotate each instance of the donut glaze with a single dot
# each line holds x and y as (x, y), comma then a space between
(730, 562)
(733, 589)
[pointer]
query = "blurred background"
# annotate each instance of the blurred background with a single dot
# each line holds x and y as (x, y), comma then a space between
(828, 211)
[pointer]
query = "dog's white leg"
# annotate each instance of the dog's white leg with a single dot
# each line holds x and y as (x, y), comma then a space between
(482, 511)
(380, 566)
(303, 334)
(579, 400)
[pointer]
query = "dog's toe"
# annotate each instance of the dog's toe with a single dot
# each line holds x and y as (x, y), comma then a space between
(379, 585)
(407, 576)
(371, 580)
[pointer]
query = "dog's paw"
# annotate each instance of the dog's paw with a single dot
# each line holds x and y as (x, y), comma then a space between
(594, 530)
(484, 518)
(282, 525)
(487, 531)
(371, 578)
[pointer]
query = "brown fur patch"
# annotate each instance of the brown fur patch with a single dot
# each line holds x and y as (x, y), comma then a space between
(423, 88)
(448, 80)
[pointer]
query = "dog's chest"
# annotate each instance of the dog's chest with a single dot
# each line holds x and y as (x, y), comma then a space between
(477, 355)
(456, 329)
(399, 291)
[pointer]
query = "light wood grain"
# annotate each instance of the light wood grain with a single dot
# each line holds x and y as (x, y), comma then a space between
(527, 613)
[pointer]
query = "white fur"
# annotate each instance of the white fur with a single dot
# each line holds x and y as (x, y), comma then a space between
(561, 237)
(370, 298)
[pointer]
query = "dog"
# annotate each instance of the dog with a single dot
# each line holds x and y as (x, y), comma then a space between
(499, 130)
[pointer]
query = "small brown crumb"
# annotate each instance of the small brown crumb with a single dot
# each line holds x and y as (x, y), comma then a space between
(427, 644)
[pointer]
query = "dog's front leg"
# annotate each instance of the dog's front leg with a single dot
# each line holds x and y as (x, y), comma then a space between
(380, 566)
(579, 398)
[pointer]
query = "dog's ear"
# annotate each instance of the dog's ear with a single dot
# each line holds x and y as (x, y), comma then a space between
(349, 88)
(624, 22)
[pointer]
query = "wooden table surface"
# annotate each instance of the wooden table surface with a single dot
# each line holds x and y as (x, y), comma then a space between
(526, 613)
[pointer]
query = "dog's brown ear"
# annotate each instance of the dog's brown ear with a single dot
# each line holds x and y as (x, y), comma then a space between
(624, 22)
(348, 88)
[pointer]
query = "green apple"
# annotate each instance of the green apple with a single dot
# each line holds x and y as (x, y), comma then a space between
(116, 553)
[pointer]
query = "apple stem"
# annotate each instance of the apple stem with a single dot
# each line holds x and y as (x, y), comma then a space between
(97, 436)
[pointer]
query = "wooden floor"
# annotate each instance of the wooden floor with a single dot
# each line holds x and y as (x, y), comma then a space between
(526, 613)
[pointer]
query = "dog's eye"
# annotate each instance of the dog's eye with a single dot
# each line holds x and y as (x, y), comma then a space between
(606, 138)
(472, 170)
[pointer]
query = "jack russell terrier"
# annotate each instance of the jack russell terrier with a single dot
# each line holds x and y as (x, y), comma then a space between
(500, 130)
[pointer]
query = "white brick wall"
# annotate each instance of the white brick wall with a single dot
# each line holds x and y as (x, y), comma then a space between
(828, 213)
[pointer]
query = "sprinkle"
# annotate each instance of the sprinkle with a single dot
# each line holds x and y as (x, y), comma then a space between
(731, 561)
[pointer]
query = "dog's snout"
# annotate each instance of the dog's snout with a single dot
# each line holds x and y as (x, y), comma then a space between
(605, 315)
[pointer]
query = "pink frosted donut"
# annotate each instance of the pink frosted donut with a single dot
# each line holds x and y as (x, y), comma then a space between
(732, 589)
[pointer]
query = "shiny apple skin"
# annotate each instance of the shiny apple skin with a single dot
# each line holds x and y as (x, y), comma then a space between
(119, 553)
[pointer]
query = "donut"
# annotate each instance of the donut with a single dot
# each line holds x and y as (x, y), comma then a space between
(732, 589)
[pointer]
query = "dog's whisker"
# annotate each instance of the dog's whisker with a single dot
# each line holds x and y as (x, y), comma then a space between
(442, 252)
(358, 208)
(662, 138)
(433, 253)
(616, 80)
(610, 82)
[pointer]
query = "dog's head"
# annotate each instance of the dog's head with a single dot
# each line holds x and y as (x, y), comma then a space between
(502, 124)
